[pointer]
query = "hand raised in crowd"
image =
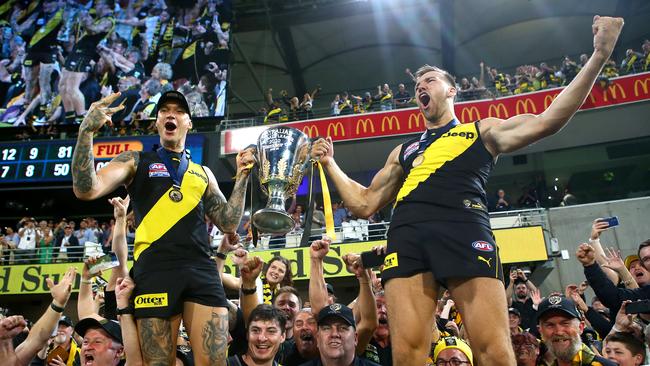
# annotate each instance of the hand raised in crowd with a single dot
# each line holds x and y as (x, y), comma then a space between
(123, 290)
(319, 248)
(56, 362)
(239, 257)
(513, 275)
(573, 292)
(583, 286)
(62, 290)
(100, 113)
(614, 261)
(120, 206)
(597, 228)
(536, 296)
(586, 254)
(322, 150)
(624, 321)
(250, 271)
(85, 271)
(376, 282)
(522, 275)
(11, 326)
(353, 264)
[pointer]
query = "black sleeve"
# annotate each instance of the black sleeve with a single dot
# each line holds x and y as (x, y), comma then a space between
(239, 345)
(610, 295)
(598, 322)
(110, 305)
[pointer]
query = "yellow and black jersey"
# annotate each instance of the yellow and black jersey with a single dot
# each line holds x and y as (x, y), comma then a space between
(45, 37)
(447, 181)
(169, 233)
(88, 42)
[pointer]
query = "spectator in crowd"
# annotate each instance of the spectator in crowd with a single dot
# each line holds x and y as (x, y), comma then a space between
(560, 327)
(625, 349)
(149, 95)
(218, 103)
(307, 104)
(381, 338)
(498, 80)
(102, 342)
(67, 247)
(646, 55)
(385, 97)
(452, 351)
(514, 321)
(402, 97)
(334, 106)
(304, 332)
(63, 348)
(337, 338)
(162, 72)
(502, 204)
(84, 233)
(569, 69)
(340, 213)
(275, 113)
(522, 289)
(265, 334)
(8, 244)
(632, 63)
(45, 243)
(345, 105)
(26, 249)
(526, 348)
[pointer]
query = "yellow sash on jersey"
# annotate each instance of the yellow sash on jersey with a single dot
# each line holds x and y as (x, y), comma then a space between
(47, 28)
(445, 149)
(166, 213)
(189, 51)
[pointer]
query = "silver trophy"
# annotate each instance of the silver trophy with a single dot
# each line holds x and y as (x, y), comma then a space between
(283, 157)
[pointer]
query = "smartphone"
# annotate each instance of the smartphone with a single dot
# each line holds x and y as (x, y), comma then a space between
(611, 221)
(371, 259)
(641, 306)
(104, 262)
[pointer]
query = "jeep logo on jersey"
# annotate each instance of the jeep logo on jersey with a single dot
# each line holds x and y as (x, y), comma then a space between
(468, 135)
(483, 246)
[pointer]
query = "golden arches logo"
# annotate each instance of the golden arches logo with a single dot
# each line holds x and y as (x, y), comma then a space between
(333, 129)
(495, 110)
(522, 104)
(467, 114)
(592, 97)
(614, 90)
(548, 99)
(415, 119)
(367, 124)
(644, 86)
(389, 120)
(311, 130)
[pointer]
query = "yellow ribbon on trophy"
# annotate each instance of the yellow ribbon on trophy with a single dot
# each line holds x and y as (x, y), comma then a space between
(327, 204)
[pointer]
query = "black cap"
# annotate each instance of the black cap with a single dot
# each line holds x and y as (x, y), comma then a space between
(330, 288)
(514, 311)
(109, 326)
(65, 320)
(337, 310)
(173, 95)
(560, 304)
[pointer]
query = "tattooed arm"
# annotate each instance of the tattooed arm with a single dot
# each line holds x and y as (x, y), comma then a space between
(226, 215)
(86, 184)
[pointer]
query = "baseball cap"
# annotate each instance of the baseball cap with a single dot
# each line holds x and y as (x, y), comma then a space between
(629, 259)
(109, 326)
(453, 342)
(336, 310)
(173, 95)
(560, 304)
(65, 320)
(330, 288)
(514, 311)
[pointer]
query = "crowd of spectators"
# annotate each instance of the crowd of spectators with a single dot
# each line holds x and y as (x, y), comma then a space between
(60, 56)
(270, 321)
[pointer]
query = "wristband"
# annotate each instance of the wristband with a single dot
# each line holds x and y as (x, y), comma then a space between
(221, 255)
(87, 282)
(56, 308)
(248, 291)
(124, 311)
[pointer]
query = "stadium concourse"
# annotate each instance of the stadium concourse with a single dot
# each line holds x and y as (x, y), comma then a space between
(568, 213)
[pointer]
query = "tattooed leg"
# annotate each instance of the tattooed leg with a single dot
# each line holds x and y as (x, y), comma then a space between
(208, 330)
(158, 340)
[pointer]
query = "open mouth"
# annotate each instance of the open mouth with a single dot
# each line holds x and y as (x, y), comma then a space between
(170, 126)
(424, 99)
(89, 359)
(383, 320)
(307, 337)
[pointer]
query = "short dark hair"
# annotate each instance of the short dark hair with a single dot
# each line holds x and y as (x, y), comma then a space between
(428, 68)
(632, 343)
(289, 290)
(266, 312)
(643, 244)
(524, 338)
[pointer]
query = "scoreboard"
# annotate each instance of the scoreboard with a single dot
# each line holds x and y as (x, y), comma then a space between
(51, 160)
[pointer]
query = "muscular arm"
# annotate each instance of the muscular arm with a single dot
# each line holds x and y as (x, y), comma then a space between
(367, 307)
(503, 136)
(225, 214)
(365, 201)
(102, 26)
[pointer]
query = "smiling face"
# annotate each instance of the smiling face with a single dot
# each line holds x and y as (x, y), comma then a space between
(172, 124)
(561, 334)
(434, 95)
(275, 273)
(619, 353)
(264, 340)
(336, 340)
(99, 349)
(63, 334)
(289, 304)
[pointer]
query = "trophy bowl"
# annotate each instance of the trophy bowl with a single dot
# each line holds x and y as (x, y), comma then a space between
(283, 157)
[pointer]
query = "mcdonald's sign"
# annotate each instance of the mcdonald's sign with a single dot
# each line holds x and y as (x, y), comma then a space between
(548, 99)
(592, 97)
(311, 130)
(415, 118)
(644, 85)
(333, 129)
(612, 89)
(365, 123)
(495, 110)
(389, 120)
(522, 104)
(467, 114)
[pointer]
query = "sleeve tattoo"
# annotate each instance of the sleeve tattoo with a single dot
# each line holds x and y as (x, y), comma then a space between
(156, 341)
(226, 214)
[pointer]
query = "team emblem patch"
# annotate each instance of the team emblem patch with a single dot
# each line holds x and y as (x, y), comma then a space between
(158, 170)
(390, 261)
(411, 149)
(151, 300)
(554, 300)
(483, 246)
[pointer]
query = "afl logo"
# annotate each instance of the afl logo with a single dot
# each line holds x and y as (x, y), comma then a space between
(483, 246)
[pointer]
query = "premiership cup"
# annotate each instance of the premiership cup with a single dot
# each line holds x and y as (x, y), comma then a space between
(283, 157)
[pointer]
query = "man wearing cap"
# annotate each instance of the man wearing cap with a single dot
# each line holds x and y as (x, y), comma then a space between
(514, 320)
(640, 275)
(63, 349)
(170, 195)
(452, 351)
(560, 325)
(337, 338)
(102, 342)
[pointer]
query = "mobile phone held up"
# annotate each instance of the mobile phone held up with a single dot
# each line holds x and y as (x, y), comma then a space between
(638, 307)
(611, 221)
(370, 259)
(104, 262)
